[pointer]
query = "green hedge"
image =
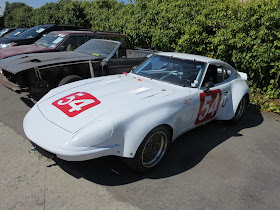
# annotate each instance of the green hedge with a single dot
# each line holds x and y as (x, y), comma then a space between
(246, 35)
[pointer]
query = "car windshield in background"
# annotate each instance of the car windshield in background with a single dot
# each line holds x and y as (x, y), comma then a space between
(2, 32)
(51, 40)
(33, 32)
(186, 73)
(98, 47)
(16, 33)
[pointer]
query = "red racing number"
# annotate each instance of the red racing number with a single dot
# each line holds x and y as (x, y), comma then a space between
(76, 103)
(209, 105)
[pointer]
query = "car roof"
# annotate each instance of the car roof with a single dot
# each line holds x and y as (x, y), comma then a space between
(50, 25)
(72, 32)
(191, 57)
(88, 32)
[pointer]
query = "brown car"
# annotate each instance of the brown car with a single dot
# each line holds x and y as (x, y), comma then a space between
(59, 41)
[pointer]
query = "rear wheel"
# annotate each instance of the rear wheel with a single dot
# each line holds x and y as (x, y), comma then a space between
(240, 109)
(69, 79)
(151, 150)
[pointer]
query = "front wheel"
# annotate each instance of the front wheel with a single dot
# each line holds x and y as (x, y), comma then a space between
(151, 150)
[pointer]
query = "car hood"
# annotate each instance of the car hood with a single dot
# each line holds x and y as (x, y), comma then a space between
(23, 49)
(6, 40)
(28, 61)
(120, 94)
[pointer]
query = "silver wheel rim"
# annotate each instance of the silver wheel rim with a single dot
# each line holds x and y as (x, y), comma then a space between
(154, 149)
(240, 109)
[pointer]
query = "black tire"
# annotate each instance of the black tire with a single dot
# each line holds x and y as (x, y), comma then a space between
(156, 141)
(240, 109)
(69, 79)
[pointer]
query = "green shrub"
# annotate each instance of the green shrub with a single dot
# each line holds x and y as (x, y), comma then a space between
(244, 34)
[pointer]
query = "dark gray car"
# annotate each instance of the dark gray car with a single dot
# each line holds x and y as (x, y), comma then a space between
(40, 72)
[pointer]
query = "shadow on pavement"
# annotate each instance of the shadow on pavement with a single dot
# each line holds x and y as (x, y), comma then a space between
(185, 153)
(28, 101)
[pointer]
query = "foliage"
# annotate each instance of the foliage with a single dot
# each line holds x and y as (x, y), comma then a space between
(17, 14)
(264, 102)
(244, 34)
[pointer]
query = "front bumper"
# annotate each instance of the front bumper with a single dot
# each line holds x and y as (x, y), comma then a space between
(78, 155)
(88, 154)
(55, 139)
(4, 81)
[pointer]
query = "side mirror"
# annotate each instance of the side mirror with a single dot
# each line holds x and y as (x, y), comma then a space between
(208, 85)
(61, 48)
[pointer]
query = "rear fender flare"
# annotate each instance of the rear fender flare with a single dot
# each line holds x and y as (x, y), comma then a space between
(239, 89)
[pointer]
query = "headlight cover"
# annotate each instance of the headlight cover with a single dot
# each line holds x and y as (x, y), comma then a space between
(94, 134)
(6, 45)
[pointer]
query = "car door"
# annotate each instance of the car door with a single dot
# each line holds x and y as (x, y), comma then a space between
(214, 102)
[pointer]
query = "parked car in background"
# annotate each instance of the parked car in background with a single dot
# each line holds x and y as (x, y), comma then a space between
(40, 72)
(137, 115)
(33, 34)
(16, 32)
(53, 42)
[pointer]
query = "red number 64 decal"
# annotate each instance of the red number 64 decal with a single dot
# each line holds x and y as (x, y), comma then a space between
(209, 105)
(76, 103)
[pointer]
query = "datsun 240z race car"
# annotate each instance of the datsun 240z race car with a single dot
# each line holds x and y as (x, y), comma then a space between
(137, 115)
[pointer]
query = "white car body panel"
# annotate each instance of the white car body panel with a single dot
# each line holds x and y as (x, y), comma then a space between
(129, 107)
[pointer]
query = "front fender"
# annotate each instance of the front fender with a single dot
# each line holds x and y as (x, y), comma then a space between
(139, 125)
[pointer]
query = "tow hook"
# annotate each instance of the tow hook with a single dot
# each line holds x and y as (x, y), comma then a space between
(33, 149)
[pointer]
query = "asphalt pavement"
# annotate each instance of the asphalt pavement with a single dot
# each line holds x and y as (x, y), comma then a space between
(217, 166)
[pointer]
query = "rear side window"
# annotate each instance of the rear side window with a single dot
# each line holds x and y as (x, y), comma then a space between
(227, 73)
(220, 75)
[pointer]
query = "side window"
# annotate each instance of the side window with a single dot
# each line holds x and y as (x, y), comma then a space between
(73, 42)
(216, 74)
(211, 75)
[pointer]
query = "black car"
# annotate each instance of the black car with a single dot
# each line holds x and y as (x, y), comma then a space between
(40, 72)
(33, 34)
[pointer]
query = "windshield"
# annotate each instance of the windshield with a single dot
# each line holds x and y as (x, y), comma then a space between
(99, 47)
(2, 32)
(16, 32)
(176, 71)
(33, 32)
(51, 40)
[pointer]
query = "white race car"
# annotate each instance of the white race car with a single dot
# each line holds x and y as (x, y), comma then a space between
(137, 115)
